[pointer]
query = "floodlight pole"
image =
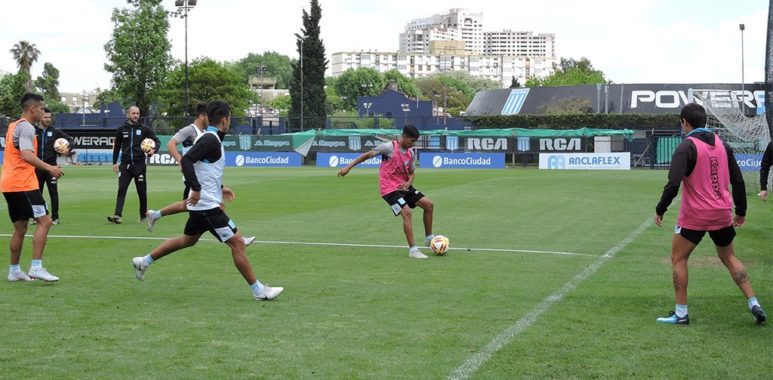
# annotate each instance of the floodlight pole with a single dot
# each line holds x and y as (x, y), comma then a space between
(742, 27)
(301, 39)
(182, 11)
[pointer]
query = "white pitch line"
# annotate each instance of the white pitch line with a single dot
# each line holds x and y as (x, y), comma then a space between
(317, 244)
(472, 364)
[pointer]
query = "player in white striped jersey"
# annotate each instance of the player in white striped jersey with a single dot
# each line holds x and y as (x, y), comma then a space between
(203, 168)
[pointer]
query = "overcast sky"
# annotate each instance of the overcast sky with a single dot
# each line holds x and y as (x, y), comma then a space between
(641, 41)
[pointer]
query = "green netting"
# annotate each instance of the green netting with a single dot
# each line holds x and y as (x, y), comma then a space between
(508, 132)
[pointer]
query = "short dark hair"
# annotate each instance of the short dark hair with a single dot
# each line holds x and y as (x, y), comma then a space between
(201, 109)
(29, 98)
(411, 131)
(217, 111)
(46, 110)
(695, 114)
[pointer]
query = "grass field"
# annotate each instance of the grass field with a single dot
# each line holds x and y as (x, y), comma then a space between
(368, 312)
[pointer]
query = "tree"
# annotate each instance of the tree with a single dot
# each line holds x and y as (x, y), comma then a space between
(138, 52)
(404, 84)
(455, 90)
(106, 97)
(308, 94)
(570, 73)
(363, 81)
(208, 80)
(25, 55)
(281, 104)
(12, 88)
(275, 66)
(48, 86)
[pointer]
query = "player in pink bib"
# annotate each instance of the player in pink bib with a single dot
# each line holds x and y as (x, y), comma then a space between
(396, 176)
(706, 168)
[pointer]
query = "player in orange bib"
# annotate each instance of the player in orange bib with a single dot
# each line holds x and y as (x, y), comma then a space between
(20, 188)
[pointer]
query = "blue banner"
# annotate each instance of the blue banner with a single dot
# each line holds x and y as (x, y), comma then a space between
(273, 159)
(339, 160)
(749, 162)
(434, 160)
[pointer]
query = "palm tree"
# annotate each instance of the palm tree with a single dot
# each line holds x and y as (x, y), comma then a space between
(25, 55)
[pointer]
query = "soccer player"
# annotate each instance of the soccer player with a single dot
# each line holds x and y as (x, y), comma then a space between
(128, 141)
(46, 135)
(705, 167)
(203, 169)
(767, 162)
(21, 191)
(396, 176)
(186, 137)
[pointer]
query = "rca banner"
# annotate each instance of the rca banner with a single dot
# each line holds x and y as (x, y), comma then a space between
(585, 161)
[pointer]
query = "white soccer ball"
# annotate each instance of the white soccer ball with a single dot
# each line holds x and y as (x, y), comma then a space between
(61, 145)
(148, 146)
(439, 245)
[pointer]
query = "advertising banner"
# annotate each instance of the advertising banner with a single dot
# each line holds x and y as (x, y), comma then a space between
(486, 144)
(333, 143)
(558, 144)
(339, 160)
(650, 98)
(585, 161)
(269, 159)
(92, 139)
(163, 159)
(749, 162)
(438, 160)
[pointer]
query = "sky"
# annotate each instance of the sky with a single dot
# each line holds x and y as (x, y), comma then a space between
(641, 41)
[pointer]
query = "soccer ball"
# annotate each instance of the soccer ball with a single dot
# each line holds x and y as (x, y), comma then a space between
(439, 245)
(61, 145)
(148, 145)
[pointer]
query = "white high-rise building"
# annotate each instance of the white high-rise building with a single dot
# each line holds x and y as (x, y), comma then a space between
(457, 24)
(500, 68)
(519, 43)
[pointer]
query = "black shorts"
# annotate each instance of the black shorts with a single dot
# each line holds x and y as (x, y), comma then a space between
(721, 238)
(397, 199)
(25, 205)
(215, 221)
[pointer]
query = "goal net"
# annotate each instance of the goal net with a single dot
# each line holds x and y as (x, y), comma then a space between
(742, 125)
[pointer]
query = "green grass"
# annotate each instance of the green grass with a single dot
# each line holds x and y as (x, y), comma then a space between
(353, 312)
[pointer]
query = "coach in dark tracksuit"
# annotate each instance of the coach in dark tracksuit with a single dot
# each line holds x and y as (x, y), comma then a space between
(46, 135)
(128, 140)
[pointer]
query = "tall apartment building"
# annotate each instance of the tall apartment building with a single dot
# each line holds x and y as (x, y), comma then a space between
(455, 41)
(500, 68)
(519, 43)
(457, 24)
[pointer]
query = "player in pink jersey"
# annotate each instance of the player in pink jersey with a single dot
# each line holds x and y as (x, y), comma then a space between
(706, 168)
(396, 176)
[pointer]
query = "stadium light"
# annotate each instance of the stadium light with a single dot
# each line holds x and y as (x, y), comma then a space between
(301, 39)
(742, 27)
(260, 70)
(182, 12)
(406, 108)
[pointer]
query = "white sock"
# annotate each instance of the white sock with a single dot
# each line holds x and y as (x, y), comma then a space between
(37, 263)
(413, 249)
(681, 310)
(15, 268)
(752, 302)
(257, 287)
(147, 260)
